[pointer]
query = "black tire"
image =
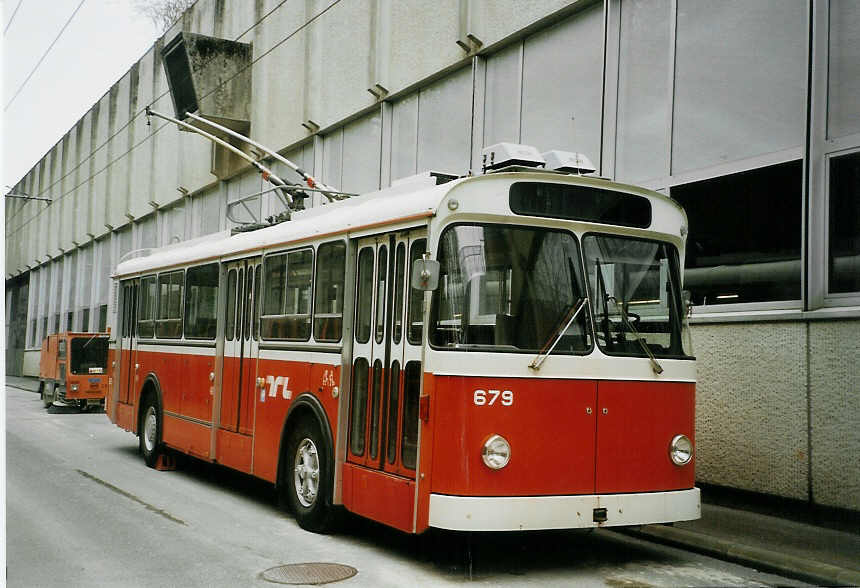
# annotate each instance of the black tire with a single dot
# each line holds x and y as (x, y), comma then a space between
(149, 431)
(306, 482)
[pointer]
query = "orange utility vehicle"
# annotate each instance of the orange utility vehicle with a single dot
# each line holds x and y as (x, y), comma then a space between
(73, 369)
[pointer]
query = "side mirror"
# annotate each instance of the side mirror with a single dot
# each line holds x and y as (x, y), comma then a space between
(425, 274)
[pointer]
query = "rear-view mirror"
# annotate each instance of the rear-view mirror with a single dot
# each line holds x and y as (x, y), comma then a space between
(425, 274)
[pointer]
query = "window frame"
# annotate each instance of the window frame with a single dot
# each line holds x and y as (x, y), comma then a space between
(169, 320)
(316, 283)
(185, 300)
(140, 306)
(833, 299)
(265, 291)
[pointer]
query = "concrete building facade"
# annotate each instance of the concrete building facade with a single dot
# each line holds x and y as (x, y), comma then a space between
(745, 112)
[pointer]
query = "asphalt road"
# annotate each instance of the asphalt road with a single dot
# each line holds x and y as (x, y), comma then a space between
(83, 510)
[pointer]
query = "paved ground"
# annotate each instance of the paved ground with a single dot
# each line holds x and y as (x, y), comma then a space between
(83, 510)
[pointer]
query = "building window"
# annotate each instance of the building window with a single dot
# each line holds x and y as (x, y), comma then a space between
(70, 321)
(744, 235)
(44, 327)
(56, 322)
(103, 318)
(33, 332)
(85, 320)
(844, 235)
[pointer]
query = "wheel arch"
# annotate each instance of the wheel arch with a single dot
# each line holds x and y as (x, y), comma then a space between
(150, 385)
(306, 405)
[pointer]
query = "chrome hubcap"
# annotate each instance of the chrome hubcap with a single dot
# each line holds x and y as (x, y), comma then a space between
(306, 472)
(150, 425)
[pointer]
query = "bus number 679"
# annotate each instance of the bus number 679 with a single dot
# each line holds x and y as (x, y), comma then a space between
(489, 397)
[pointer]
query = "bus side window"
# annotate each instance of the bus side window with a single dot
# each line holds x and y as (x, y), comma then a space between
(201, 300)
(364, 295)
(358, 410)
(328, 302)
(287, 304)
(146, 316)
(169, 323)
(415, 318)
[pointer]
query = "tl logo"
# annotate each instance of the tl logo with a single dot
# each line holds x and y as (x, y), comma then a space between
(273, 383)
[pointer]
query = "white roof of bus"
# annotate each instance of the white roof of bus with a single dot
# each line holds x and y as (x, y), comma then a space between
(398, 203)
(413, 198)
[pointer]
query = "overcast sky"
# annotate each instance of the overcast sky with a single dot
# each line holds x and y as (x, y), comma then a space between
(97, 48)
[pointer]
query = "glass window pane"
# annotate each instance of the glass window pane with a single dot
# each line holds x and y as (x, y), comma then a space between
(328, 303)
(843, 112)
(635, 295)
(287, 311)
(400, 269)
(381, 277)
(249, 296)
(393, 401)
(415, 319)
(146, 316)
(745, 234)
(358, 412)
(508, 289)
(275, 267)
(411, 390)
(376, 393)
(844, 236)
(364, 295)
(231, 304)
(258, 301)
(201, 300)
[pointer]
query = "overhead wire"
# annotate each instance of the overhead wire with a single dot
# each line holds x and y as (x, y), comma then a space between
(153, 101)
(11, 18)
(44, 55)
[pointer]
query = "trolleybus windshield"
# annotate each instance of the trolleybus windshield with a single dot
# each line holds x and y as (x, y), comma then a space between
(636, 296)
(507, 288)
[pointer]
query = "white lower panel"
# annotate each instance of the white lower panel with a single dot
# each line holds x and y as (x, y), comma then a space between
(522, 513)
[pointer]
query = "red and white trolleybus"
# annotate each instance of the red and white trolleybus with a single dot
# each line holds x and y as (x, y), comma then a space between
(501, 352)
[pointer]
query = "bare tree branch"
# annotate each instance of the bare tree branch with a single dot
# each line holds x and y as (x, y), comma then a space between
(162, 13)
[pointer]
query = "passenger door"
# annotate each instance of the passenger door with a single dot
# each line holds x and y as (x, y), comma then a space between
(127, 339)
(383, 416)
(368, 381)
(241, 346)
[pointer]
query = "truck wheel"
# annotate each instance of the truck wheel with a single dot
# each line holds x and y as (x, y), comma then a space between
(150, 432)
(307, 478)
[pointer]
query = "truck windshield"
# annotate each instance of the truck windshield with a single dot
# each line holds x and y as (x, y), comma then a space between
(509, 289)
(89, 355)
(636, 298)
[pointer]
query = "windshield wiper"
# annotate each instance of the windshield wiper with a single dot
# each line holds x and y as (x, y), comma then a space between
(557, 334)
(655, 365)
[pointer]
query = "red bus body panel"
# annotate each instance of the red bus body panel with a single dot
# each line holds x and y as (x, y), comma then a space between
(566, 436)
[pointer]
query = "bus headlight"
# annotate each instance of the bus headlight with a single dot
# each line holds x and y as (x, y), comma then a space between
(681, 450)
(74, 387)
(496, 452)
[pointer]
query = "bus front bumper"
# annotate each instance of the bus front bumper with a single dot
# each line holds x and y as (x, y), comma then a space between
(529, 513)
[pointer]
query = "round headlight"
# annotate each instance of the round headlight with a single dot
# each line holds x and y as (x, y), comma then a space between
(496, 452)
(74, 387)
(681, 450)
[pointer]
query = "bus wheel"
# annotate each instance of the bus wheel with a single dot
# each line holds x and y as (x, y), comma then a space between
(150, 433)
(307, 480)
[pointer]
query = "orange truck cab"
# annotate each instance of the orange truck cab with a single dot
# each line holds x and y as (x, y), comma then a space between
(73, 369)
